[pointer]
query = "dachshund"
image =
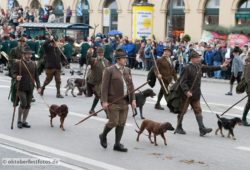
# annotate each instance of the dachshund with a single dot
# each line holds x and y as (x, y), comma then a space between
(141, 99)
(155, 128)
(61, 111)
(227, 124)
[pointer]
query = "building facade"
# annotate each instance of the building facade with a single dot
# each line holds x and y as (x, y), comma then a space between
(179, 16)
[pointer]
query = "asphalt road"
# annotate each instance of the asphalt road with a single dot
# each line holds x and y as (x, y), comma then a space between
(79, 148)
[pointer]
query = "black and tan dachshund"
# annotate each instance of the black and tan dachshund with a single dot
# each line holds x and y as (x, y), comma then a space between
(141, 99)
(227, 124)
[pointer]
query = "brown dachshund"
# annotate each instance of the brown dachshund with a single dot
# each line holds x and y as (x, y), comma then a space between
(155, 128)
(61, 111)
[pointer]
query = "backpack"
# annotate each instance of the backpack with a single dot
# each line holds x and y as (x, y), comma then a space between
(174, 98)
(151, 77)
(242, 86)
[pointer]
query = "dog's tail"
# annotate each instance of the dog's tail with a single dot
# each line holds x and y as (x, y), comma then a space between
(218, 116)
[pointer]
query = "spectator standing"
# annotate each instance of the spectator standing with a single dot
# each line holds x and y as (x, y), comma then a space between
(236, 70)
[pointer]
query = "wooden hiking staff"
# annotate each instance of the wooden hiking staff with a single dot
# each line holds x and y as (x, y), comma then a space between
(16, 99)
(95, 113)
(161, 81)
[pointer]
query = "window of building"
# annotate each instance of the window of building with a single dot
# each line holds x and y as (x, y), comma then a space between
(35, 4)
(58, 8)
(244, 4)
(140, 1)
(113, 16)
(82, 12)
(211, 15)
(178, 3)
(243, 13)
(213, 4)
(12, 4)
(176, 21)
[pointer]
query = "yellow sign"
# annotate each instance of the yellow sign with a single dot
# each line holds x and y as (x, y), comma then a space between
(142, 22)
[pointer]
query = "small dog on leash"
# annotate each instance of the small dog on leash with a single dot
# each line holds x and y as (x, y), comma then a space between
(141, 99)
(156, 128)
(227, 124)
(61, 111)
(75, 82)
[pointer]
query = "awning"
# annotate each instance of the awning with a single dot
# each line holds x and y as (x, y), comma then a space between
(77, 26)
(242, 14)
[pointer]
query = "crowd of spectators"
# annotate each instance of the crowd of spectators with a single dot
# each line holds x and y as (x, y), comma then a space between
(140, 52)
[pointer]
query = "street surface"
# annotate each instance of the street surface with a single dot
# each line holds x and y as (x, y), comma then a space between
(79, 148)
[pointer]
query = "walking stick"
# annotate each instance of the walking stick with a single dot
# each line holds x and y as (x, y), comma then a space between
(95, 113)
(234, 105)
(186, 101)
(16, 99)
(161, 81)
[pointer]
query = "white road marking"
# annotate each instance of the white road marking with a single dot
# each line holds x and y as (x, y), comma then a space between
(6, 146)
(243, 148)
(60, 153)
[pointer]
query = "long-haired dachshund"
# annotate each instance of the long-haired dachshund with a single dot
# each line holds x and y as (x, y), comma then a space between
(61, 111)
(155, 128)
(227, 124)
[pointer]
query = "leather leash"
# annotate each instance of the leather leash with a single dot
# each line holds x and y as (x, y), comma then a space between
(207, 103)
(234, 105)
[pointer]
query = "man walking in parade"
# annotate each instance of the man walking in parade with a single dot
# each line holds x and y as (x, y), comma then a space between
(166, 73)
(16, 54)
(247, 78)
(25, 72)
(116, 83)
(94, 78)
(190, 83)
(53, 59)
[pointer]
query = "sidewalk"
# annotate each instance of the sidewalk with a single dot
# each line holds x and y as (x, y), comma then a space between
(212, 80)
